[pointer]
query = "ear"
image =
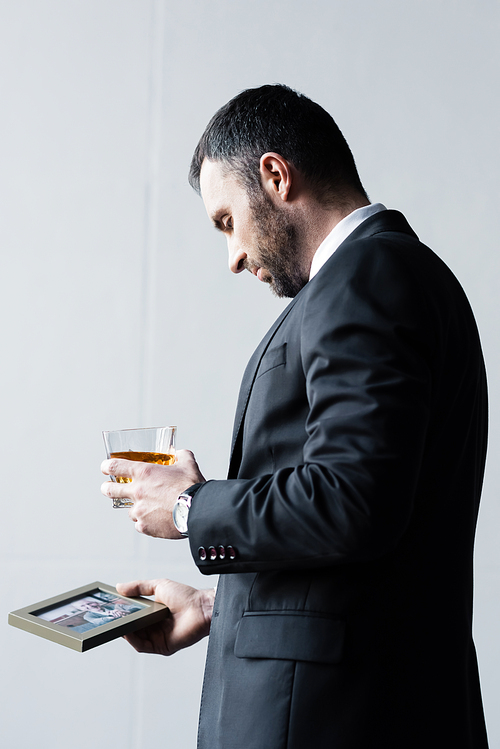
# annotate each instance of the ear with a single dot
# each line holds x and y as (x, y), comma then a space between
(276, 176)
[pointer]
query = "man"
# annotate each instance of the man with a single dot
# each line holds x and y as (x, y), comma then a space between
(344, 533)
(97, 613)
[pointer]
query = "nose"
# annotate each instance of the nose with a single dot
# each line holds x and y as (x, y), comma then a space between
(237, 259)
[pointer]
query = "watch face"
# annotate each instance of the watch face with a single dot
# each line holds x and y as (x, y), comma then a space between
(180, 514)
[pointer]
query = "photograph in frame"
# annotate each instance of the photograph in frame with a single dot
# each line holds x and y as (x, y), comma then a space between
(88, 616)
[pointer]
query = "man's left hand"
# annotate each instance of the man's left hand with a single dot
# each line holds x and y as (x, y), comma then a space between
(153, 490)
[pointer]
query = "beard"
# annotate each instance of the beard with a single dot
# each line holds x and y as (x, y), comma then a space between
(278, 250)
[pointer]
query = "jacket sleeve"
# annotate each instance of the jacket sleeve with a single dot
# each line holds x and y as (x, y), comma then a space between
(366, 351)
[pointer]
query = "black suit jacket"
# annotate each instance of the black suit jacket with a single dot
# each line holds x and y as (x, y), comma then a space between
(343, 616)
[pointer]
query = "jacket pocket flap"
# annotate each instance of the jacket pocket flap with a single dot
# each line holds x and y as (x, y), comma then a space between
(274, 357)
(290, 635)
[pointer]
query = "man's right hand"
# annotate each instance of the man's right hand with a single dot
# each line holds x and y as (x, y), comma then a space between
(188, 621)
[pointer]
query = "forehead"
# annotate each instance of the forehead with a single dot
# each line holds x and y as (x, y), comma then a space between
(220, 190)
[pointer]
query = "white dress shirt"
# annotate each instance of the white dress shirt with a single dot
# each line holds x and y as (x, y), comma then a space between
(340, 232)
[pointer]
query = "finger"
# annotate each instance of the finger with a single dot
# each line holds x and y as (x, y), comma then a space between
(141, 644)
(118, 467)
(105, 467)
(113, 490)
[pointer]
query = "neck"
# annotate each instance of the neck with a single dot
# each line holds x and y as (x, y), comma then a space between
(319, 220)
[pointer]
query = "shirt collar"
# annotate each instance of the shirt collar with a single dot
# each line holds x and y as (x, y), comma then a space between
(340, 232)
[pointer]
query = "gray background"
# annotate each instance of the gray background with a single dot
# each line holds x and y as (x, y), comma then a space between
(118, 309)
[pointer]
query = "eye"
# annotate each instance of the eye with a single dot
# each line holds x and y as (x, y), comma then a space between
(228, 223)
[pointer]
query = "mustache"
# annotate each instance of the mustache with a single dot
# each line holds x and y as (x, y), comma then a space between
(267, 276)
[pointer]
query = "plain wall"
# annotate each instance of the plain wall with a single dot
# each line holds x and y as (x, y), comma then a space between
(118, 309)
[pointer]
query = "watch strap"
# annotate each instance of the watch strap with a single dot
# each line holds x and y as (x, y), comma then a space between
(185, 498)
(190, 491)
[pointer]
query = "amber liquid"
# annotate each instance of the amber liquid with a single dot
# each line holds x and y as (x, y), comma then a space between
(163, 459)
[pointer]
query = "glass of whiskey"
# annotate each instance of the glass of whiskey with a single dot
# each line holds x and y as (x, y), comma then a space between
(148, 445)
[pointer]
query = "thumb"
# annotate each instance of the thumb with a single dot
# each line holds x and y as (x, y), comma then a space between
(137, 588)
(185, 457)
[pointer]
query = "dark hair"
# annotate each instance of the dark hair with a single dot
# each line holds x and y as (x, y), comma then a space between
(278, 119)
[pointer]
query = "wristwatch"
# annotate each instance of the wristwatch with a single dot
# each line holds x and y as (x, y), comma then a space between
(180, 510)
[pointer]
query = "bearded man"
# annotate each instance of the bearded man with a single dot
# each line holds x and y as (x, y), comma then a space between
(344, 532)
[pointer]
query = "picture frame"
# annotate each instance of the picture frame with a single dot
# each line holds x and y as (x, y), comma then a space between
(88, 616)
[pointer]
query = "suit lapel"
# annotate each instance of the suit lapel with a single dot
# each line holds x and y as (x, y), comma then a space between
(246, 388)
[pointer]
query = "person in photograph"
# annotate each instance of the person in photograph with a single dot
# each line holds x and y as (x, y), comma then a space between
(105, 596)
(343, 535)
(97, 613)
